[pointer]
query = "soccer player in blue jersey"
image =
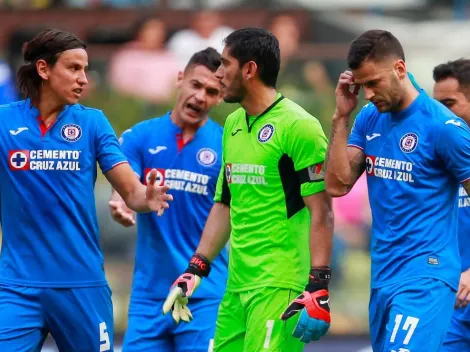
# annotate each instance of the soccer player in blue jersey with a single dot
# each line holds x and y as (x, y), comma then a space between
(185, 147)
(452, 88)
(416, 153)
(51, 266)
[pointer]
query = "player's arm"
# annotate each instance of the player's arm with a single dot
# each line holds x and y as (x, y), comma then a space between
(453, 148)
(214, 237)
(321, 228)
(115, 167)
(140, 198)
(306, 144)
(344, 164)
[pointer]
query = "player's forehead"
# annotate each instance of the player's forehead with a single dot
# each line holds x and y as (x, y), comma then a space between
(74, 57)
(226, 57)
(447, 87)
(204, 76)
(370, 71)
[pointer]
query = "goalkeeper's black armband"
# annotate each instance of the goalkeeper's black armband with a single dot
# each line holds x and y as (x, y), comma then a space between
(319, 278)
(199, 265)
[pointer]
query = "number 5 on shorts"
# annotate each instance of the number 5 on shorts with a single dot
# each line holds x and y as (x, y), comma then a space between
(409, 325)
(104, 338)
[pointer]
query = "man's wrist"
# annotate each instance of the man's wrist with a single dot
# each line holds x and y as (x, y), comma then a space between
(318, 278)
(199, 265)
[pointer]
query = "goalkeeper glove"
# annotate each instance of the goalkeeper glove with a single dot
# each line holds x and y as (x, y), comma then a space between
(313, 305)
(184, 287)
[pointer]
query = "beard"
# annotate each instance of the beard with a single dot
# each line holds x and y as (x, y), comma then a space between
(236, 92)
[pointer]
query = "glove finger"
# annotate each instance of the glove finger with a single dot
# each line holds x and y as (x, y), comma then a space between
(307, 337)
(171, 299)
(184, 314)
(187, 312)
(302, 324)
(176, 313)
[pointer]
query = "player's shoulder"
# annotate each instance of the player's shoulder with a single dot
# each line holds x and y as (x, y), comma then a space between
(294, 114)
(85, 110)
(214, 127)
(152, 125)
(6, 110)
(234, 117)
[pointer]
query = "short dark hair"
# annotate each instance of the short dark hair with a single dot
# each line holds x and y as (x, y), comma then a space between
(47, 46)
(208, 58)
(375, 45)
(260, 46)
(458, 69)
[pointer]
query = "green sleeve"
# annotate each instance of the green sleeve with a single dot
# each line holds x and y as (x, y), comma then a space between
(306, 144)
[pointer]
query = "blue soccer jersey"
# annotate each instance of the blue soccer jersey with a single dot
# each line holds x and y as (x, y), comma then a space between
(464, 244)
(47, 179)
(165, 244)
(415, 160)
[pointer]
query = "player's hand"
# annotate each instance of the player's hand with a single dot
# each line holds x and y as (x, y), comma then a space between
(314, 307)
(184, 287)
(463, 294)
(346, 94)
(121, 213)
(177, 299)
(157, 198)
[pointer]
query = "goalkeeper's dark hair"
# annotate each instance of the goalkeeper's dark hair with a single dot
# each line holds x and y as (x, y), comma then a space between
(458, 69)
(208, 58)
(260, 46)
(375, 45)
(47, 46)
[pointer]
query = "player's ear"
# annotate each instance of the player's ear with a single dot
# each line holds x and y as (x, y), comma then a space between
(42, 69)
(179, 79)
(400, 68)
(249, 70)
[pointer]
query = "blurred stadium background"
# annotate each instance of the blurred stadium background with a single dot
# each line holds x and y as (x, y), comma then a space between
(137, 46)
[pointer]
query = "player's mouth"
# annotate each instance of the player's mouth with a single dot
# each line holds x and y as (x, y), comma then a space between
(193, 110)
(78, 92)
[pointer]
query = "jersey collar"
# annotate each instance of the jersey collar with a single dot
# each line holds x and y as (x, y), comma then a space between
(410, 109)
(279, 97)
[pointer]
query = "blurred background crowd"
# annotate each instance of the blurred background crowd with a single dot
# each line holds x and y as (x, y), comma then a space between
(136, 48)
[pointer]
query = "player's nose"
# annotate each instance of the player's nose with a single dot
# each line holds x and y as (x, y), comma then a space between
(368, 93)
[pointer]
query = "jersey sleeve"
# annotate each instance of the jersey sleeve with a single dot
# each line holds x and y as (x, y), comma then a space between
(357, 137)
(453, 147)
(306, 145)
(108, 150)
(130, 141)
(222, 191)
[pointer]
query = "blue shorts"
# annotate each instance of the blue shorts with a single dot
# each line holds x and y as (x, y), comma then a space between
(458, 335)
(149, 330)
(79, 319)
(412, 315)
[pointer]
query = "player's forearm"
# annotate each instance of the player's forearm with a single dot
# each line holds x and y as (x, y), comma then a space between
(321, 234)
(337, 166)
(136, 199)
(216, 232)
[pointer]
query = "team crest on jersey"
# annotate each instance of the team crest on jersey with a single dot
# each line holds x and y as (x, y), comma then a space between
(409, 142)
(228, 173)
(71, 132)
(265, 133)
(206, 157)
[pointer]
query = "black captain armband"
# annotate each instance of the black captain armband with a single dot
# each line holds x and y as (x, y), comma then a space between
(199, 265)
(314, 173)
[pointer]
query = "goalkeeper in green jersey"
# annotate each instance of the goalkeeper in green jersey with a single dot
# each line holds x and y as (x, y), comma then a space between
(271, 203)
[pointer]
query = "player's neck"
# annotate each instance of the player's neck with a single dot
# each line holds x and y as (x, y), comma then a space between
(49, 108)
(187, 130)
(258, 99)
(409, 97)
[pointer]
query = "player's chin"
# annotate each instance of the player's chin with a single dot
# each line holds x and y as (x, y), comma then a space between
(73, 99)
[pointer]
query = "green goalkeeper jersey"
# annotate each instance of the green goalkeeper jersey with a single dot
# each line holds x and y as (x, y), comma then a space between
(270, 162)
